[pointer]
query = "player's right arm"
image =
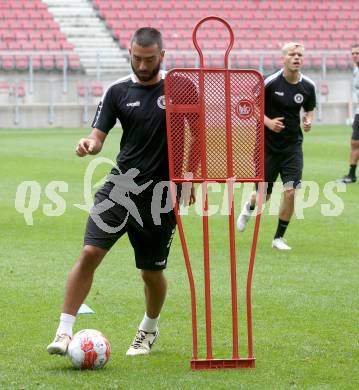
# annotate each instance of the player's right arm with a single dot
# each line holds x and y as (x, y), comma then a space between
(105, 119)
(275, 124)
(92, 144)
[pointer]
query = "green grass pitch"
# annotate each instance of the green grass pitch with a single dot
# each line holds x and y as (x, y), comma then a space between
(305, 303)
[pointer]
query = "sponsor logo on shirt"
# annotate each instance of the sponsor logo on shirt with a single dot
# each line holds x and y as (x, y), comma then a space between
(134, 104)
(279, 93)
(298, 98)
(161, 103)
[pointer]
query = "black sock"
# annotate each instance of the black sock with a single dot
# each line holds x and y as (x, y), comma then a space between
(282, 227)
(352, 170)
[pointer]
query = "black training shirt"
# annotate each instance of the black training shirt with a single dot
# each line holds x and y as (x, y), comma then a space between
(141, 112)
(283, 99)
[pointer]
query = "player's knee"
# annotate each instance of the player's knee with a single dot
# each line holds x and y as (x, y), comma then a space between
(152, 277)
(289, 193)
(91, 256)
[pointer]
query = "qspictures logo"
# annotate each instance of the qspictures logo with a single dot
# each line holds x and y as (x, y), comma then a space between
(31, 197)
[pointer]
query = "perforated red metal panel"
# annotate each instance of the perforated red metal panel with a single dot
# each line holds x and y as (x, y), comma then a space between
(215, 124)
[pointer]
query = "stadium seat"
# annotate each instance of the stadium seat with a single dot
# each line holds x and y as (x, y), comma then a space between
(330, 62)
(59, 62)
(324, 88)
(343, 62)
(82, 89)
(239, 61)
(96, 88)
(18, 89)
(47, 62)
(21, 62)
(4, 88)
(74, 62)
(35, 60)
(268, 63)
(8, 62)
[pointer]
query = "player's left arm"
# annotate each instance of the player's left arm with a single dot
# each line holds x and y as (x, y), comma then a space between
(308, 108)
(193, 162)
(189, 194)
(308, 120)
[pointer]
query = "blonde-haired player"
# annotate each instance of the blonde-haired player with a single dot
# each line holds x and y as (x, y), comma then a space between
(287, 91)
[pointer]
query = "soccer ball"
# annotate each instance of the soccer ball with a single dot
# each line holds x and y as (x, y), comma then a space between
(89, 348)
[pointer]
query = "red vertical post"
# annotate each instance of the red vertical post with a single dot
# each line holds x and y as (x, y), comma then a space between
(189, 273)
(250, 270)
(207, 273)
(233, 267)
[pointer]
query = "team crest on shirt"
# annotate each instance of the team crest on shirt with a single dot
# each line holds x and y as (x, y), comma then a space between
(298, 98)
(161, 103)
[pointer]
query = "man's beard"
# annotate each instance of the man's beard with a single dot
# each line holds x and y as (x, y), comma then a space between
(148, 76)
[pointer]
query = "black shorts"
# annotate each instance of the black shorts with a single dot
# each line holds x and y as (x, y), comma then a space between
(289, 165)
(355, 134)
(151, 241)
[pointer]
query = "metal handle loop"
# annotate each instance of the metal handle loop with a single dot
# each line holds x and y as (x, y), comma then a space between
(194, 38)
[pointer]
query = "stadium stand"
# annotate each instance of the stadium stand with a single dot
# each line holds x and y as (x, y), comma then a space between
(29, 36)
(261, 26)
(58, 56)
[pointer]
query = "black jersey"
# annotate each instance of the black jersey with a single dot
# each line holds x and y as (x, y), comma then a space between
(141, 112)
(283, 99)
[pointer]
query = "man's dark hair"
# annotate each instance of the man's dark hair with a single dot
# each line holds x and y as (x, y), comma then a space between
(147, 36)
(355, 45)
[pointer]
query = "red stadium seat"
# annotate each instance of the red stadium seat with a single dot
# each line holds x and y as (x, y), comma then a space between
(36, 61)
(18, 89)
(74, 62)
(82, 89)
(40, 45)
(253, 61)
(47, 62)
(67, 46)
(7, 62)
(4, 87)
(343, 62)
(59, 62)
(21, 62)
(331, 62)
(268, 63)
(239, 62)
(324, 88)
(96, 88)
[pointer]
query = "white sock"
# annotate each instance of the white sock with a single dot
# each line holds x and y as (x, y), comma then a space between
(66, 323)
(149, 324)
